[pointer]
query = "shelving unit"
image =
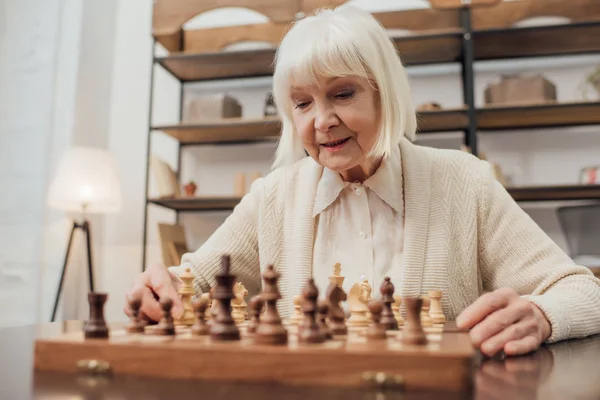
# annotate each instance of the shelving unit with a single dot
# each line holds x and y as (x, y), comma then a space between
(463, 35)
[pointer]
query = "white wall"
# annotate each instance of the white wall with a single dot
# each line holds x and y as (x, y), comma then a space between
(28, 48)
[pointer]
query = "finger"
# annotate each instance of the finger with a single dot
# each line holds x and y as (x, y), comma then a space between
(150, 307)
(159, 280)
(482, 307)
(522, 346)
(516, 331)
(494, 324)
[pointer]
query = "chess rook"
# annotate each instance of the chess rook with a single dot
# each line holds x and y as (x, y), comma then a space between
(95, 327)
(387, 298)
(412, 333)
(270, 329)
(309, 331)
(166, 325)
(223, 326)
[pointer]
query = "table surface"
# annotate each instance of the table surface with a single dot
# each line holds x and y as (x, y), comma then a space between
(565, 370)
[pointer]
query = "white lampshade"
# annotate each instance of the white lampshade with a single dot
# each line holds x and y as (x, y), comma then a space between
(86, 176)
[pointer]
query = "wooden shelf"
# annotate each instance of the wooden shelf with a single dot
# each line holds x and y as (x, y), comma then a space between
(552, 40)
(442, 120)
(237, 130)
(190, 67)
(197, 203)
(233, 130)
(522, 194)
(555, 193)
(538, 116)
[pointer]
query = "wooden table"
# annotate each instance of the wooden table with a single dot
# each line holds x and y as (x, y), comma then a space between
(566, 370)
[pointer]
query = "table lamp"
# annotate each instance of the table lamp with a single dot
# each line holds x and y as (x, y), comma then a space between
(86, 182)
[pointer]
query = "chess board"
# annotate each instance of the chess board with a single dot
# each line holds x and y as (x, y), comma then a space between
(444, 363)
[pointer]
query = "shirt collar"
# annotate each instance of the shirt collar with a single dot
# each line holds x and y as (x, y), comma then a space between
(386, 183)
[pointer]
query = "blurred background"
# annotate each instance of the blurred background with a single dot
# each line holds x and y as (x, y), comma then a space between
(151, 119)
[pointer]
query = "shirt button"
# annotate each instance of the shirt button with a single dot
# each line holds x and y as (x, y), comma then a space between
(363, 235)
(358, 192)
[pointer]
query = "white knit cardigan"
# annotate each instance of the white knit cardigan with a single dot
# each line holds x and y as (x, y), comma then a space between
(464, 235)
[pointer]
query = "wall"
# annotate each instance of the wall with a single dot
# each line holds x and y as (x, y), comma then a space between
(28, 49)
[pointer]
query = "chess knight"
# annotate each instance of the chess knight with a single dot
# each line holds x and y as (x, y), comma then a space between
(358, 299)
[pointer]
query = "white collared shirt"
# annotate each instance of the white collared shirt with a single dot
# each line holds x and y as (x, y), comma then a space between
(361, 227)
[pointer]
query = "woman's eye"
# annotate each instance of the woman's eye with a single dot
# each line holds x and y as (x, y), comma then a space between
(345, 94)
(302, 104)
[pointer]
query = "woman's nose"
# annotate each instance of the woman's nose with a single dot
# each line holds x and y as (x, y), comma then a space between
(325, 119)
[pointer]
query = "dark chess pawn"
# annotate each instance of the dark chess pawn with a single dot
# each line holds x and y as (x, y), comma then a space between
(310, 332)
(222, 326)
(376, 330)
(323, 310)
(166, 326)
(95, 327)
(335, 295)
(200, 327)
(255, 305)
(136, 325)
(413, 333)
(270, 329)
(388, 320)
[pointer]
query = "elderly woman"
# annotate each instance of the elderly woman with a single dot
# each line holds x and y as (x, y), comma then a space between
(350, 186)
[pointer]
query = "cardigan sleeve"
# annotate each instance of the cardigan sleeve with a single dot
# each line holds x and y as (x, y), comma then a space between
(236, 237)
(515, 252)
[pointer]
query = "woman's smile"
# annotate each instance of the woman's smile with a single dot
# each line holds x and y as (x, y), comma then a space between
(335, 145)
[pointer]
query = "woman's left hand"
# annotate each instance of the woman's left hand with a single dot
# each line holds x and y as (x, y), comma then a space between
(502, 320)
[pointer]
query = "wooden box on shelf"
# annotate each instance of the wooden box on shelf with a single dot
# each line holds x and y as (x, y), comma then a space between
(213, 107)
(520, 89)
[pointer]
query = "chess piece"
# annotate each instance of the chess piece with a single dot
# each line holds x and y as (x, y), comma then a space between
(425, 318)
(223, 326)
(200, 328)
(357, 299)
(310, 331)
(270, 330)
(396, 310)
(387, 298)
(136, 325)
(166, 327)
(256, 305)
(209, 303)
(186, 291)
(95, 327)
(412, 333)
(323, 309)
(239, 304)
(376, 330)
(435, 310)
(296, 319)
(337, 278)
(335, 294)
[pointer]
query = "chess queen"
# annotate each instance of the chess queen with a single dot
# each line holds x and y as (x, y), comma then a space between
(350, 186)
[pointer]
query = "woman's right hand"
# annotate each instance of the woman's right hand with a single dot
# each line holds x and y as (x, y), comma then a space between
(153, 284)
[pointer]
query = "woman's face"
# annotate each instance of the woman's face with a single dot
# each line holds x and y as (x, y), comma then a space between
(338, 120)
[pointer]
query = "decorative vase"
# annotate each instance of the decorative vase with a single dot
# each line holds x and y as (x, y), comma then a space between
(190, 189)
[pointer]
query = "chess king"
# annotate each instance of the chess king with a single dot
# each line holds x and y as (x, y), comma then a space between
(350, 186)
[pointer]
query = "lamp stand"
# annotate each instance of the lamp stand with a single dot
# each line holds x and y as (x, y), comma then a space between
(85, 226)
